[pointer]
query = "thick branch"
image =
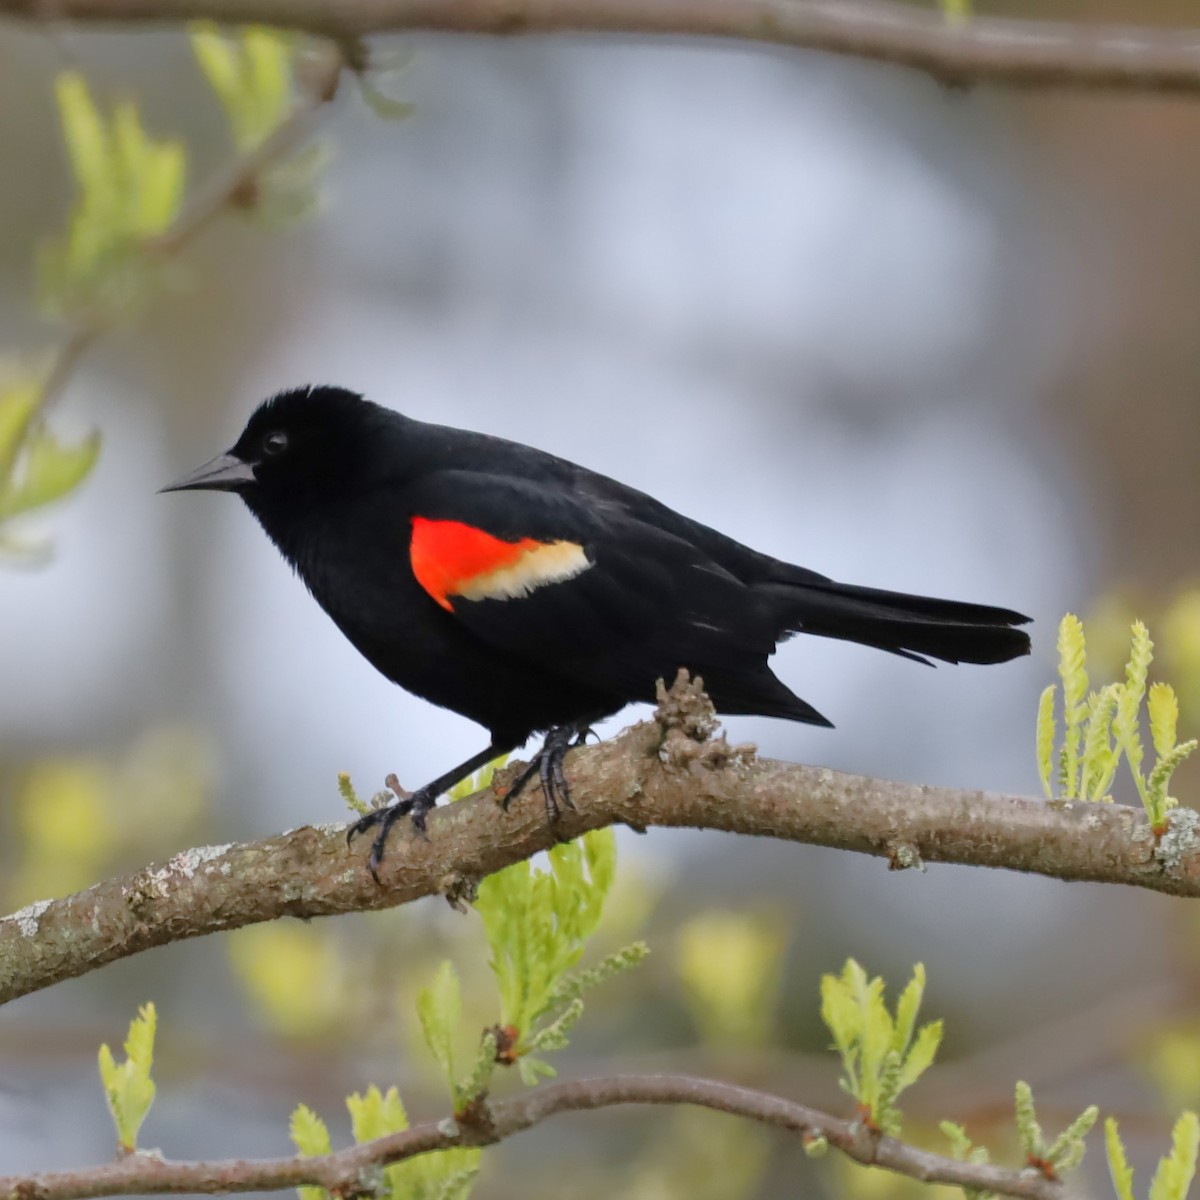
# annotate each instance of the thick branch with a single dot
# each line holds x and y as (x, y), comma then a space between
(667, 772)
(344, 1172)
(1012, 52)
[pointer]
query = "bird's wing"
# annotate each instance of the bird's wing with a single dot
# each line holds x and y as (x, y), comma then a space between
(586, 591)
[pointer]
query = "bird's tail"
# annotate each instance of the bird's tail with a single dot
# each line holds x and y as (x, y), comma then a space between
(916, 627)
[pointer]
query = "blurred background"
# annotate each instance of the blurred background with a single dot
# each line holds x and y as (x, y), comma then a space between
(939, 341)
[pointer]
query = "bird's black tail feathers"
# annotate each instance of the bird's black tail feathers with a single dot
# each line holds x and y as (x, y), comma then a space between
(916, 627)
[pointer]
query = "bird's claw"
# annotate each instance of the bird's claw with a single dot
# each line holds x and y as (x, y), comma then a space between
(547, 764)
(554, 779)
(417, 804)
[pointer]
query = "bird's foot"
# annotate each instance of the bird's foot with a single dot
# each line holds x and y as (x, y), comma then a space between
(415, 804)
(547, 764)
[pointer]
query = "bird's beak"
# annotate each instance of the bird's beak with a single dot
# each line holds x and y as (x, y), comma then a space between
(225, 473)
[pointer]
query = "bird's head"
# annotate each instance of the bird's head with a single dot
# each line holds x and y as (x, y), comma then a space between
(298, 446)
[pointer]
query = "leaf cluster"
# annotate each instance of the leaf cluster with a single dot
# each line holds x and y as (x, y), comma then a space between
(253, 74)
(1066, 1151)
(442, 1175)
(963, 1149)
(1102, 727)
(115, 252)
(1173, 1178)
(439, 1010)
(128, 1086)
(129, 189)
(1050, 1158)
(537, 923)
(882, 1052)
(36, 468)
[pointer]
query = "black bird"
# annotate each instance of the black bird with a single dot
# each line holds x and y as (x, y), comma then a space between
(535, 596)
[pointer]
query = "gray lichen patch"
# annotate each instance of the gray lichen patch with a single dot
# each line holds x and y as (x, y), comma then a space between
(904, 856)
(1181, 840)
(188, 862)
(29, 918)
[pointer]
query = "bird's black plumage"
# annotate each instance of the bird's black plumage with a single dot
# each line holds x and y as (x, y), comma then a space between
(531, 594)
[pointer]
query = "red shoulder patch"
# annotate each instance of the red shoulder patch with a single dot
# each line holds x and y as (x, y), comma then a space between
(453, 559)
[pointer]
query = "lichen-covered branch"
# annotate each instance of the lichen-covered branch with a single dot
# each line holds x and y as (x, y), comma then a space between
(671, 772)
(1012, 52)
(345, 1171)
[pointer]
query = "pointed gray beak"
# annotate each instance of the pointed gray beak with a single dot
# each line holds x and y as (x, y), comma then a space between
(225, 473)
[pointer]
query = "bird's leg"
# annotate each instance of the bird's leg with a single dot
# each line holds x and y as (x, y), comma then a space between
(547, 764)
(418, 805)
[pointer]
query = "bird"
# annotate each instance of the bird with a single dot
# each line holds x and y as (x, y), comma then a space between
(534, 596)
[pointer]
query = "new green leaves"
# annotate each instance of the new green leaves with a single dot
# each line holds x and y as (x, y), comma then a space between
(1175, 1172)
(1050, 1159)
(446, 1175)
(129, 188)
(963, 1149)
(1101, 727)
(128, 1086)
(311, 1139)
(1072, 670)
(882, 1054)
(439, 1009)
(36, 469)
(1065, 1151)
(251, 75)
(537, 923)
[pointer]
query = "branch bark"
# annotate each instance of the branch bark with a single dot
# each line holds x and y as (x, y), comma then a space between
(343, 1172)
(1010, 52)
(670, 772)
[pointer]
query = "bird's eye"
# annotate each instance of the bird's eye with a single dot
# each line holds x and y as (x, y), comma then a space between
(275, 443)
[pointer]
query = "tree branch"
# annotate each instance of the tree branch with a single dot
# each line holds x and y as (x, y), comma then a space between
(1011, 52)
(670, 772)
(344, 1172)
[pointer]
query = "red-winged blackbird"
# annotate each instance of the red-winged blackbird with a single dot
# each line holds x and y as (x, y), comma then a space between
(535, 596)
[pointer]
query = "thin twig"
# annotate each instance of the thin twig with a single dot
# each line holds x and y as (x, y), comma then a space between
(1004, 51)
(343, 1172)
(63, 366)
(668, 772)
